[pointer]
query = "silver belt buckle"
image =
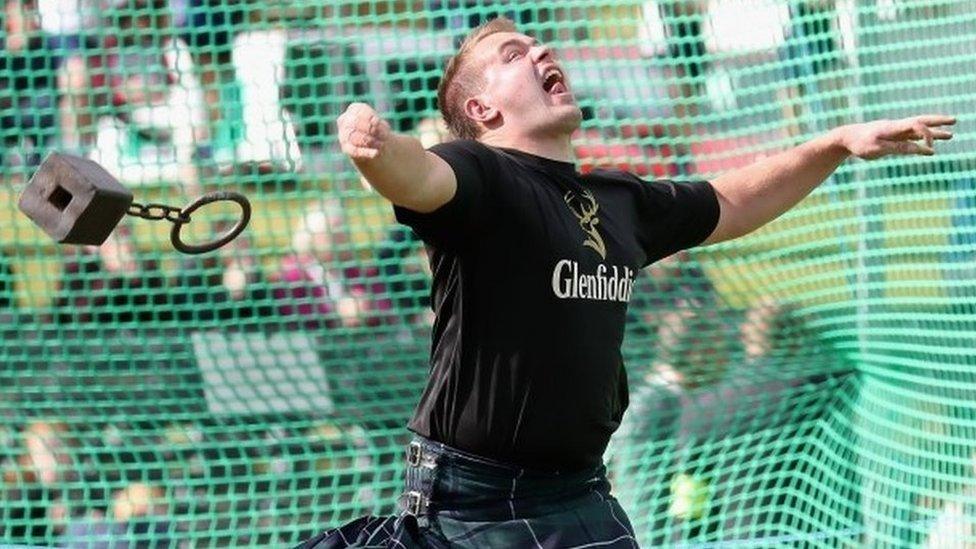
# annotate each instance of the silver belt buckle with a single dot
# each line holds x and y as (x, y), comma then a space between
(416, 503)
(414, 453)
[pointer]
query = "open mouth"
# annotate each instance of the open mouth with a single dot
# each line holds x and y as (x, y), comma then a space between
(553, 82)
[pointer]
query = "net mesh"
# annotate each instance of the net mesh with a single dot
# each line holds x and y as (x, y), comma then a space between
(808, 385)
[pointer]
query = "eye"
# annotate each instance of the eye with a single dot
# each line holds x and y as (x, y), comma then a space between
(512, 55)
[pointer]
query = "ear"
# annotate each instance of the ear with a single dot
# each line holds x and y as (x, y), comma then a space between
(476, 109)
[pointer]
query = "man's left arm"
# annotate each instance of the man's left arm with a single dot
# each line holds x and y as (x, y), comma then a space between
(757, 194)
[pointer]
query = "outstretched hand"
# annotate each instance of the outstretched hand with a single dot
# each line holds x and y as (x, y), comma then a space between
(905, 136)
(362, 133)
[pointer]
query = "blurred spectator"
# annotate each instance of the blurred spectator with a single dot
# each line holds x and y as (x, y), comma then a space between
(155, 101)
(955, 525)
(763, 398)
(138, 520)
(694, 348)
(68, 22)
(321, 281)
(459, 16)
(209, 27)
(70, 25)
(812, 64)
(34, 480)
(226, 285)
(673, 283)
(814, 36)
(111, 283)
(684, 45)
(685, 39)
(642, 449)
(264, 137)
(28, 82)
(673, 308)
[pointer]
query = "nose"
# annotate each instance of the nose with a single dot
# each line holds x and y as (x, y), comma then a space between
(541, 52)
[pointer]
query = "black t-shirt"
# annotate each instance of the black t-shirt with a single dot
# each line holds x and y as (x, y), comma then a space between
(533, 265)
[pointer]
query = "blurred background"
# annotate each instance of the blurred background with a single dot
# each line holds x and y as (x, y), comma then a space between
(809, 385)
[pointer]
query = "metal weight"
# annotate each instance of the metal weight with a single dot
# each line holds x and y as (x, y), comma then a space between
(74, 200)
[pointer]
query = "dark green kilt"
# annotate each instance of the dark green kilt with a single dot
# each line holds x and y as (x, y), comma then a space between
(455, 499)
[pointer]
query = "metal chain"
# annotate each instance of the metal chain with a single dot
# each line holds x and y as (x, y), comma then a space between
(181, 216)
(157, 212)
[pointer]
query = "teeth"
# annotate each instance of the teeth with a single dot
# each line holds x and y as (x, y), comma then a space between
(551, 77)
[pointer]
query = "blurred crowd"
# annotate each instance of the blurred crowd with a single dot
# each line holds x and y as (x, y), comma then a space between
(127, 484)
(76, 69)
(170, 90)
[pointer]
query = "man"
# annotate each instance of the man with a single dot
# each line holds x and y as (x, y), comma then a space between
(533, 265)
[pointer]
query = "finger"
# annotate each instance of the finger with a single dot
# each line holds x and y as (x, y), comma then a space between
(365, 135)
(941, 134)
(937, 120)
(925, 133)
(915, 131)
(349, 131)
(899, 132)
(354, 116)
(369, 125)
(361, 142)
(378, 127)
(908, 147)
(365, 114)
(358, 108)
(363, 152)
(360, 153)
(382, 128)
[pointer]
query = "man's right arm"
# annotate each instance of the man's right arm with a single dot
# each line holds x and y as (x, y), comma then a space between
(396, 165)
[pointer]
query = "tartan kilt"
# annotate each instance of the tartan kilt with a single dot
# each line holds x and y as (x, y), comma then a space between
(456, 499)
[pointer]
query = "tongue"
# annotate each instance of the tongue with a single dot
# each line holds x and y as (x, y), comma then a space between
(557, 88)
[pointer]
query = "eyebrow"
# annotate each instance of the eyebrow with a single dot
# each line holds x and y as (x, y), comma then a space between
(520, 42)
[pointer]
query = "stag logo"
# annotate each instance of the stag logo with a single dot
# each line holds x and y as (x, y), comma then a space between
(586, 213)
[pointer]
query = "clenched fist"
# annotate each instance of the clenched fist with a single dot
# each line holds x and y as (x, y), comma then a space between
(362, 133)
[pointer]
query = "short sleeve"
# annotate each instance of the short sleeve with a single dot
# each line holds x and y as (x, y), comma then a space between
(675, 216)
(455, 224)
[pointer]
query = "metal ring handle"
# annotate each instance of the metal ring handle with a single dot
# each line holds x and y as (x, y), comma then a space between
(217, 196)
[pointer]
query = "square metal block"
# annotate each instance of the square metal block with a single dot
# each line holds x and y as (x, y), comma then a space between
(74, 200)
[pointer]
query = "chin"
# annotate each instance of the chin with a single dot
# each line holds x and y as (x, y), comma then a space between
(564, 120)
(571, 120)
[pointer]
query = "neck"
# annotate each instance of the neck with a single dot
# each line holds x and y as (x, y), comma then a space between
(554, 148)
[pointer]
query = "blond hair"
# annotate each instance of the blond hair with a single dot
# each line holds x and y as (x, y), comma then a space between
(459, 82)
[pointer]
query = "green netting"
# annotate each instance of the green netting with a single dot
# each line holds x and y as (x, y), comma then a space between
(809, 385)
